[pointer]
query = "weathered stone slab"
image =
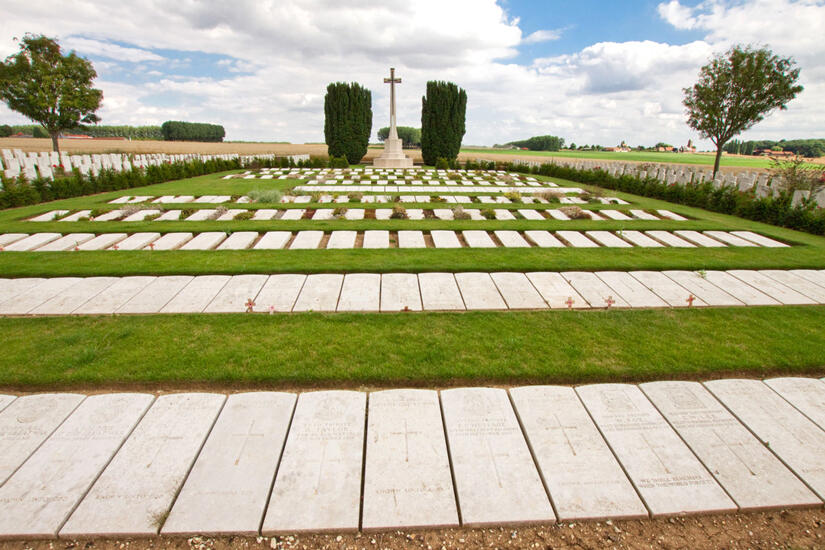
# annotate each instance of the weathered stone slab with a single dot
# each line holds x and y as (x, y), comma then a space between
(135, 492)
(49, 216)
(812, 275)
(667, 475)
(556, 291)
(9, 288)
(796, 283)
(196, 295)
(806, 394)
(615, 215)
(478, 239)
(6, 400)
(141, 215)
(671, 215)
(233, 296)
(279, 293)
(205, 241)
(557, 214)
(411, 239)
(576, 239)
(606, 238)
(748, 471)
(400, 292)
(581, 474)
(318, 487)
(137, 241)
(518, 291)
(360, 292)
(75, 296)
(439, 291)
(319, 293)
(739, 289)
(632, 291)
(342, 239)
(376, 239)
(503, 215)
(511, 239)
(543, 239)
(230, 214)
(666, 289)
(273, 240)
(8, 238)
(670, 239)
(110, 216)
(702, 288)
(407, 480)
(306, 240)
(264, 214)
(642, 215)
(156, 294)
(172, 241)
(495, 477)
(292, 214)
(479, 291)
(27, 422)
(699, 238)
(66, 242)
(771, 287)
(202, 215)
(38, 498)
(115, 295)
(593, 289)
(795, 439)
(729, 239)
(240, 240)
(227, 489)
(529, 214)
(640, 239)
(761, 240)
(31, 242)
(445, 239)
(25, 301)
(103, 241)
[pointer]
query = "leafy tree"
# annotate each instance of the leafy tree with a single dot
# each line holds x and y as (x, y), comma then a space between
(348, 123)
(175, 130)
(540, 143)
(50, 88)
(443, 112)
(410, 136)
(6, 130)
(736, 90)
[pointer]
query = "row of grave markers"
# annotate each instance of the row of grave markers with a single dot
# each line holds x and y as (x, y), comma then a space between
(272, 462)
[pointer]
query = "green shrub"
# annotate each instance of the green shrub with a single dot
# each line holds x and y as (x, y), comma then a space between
(514, 196)
(553, 197)
(437, 198)
(575, 213)
(265, 195)
(488, 213)
(355, 197)
(175, 130)
(245, 215)
(460, 214)
(442, 164)
(338, 162)
(339, 212)
(399, 213)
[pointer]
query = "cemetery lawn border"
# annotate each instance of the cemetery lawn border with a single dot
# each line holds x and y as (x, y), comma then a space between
(427, 349)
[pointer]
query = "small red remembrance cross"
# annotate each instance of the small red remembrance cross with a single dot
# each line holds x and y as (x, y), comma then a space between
(569, 302)
(151, 246)
(690, 299)
(250, 303)
(272, 310)
(610, 301)
(115, 247)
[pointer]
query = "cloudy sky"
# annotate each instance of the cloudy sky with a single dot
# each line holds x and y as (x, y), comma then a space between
(590, 71)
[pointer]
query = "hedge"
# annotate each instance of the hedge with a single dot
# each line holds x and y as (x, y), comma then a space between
(175, 130)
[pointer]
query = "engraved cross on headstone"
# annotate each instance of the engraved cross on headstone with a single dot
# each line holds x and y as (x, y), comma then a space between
(392, 81)
(406, 433)
(246, 436)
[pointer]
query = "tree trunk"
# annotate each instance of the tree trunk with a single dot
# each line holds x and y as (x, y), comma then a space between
(55, 144)
(718, 159)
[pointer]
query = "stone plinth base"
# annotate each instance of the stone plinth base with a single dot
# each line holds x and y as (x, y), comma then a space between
(393, 156)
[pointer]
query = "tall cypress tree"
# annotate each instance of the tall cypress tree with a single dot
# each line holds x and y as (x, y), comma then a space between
(443, 112)
(348, 124)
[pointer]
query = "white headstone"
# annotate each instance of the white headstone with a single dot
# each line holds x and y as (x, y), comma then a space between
(400, 292)
(479, 291)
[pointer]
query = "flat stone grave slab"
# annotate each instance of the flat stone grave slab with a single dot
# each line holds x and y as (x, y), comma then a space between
(518, 291)
(478, 239)
(227, 490)
(292, 214)
(135, 492)
(443, 213)
(729, 239)
(273, 240)
(205, 241)
(669, 478)
(103, 241)
(583, 477)
(110, 216)
(6, 400)
(796, 283)
(812, 275)
(115, 295)
(264, 214)
(771, 287)
(323, 214)
(606, 238)
(75, 296)
(360, 292)
(49, 216)
(407, 479)
(556, 291)
(279, 293)
(383, 213)
(230, 214)
(557, 214)
(415, 214)
(671, 215)
(66, 242)
(445, 239)
(615, 215)
(318, 486)
(593, 289)
(511, 239)
(748, 471)
(670, 239)
(640, 239)
(543, 239)
(172, 241)
(807, 395)
(739, 289)
(42, 493)
(631, 290)
(665, 288)
(376, 239)
(31, 242)
(27, 422)
(156, 294)
(240, 240)
(141, 215)
(439, 291)
(495, 477)
(9, 288)
(530, 214)
(576, 239)
(354, 214)
(25, 301)
(202, 215)
(319, 293)
(169, 215)
(306, 240)
(761, 240)
(411, 239)
(137, 241)
(196, 295)
(791, 436)
(702, 288)
(699, 238)
(479, 291)
(342, 239)
(400, 292)
(232, 298)
(642, 215)
(503, 215)
(8, 238)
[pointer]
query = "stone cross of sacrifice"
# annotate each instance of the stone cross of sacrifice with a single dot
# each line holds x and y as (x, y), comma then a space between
(392, 81)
